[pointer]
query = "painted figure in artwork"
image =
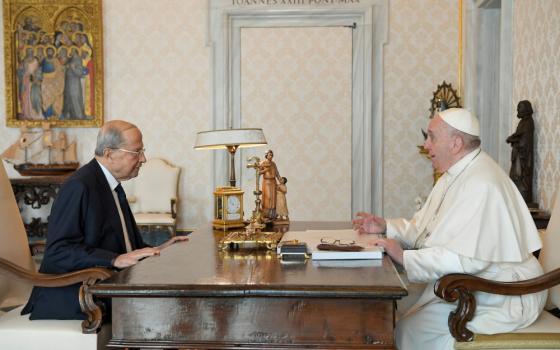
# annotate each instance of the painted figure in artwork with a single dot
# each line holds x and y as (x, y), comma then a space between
(270, 174)
(36, 82)
(54, 68)
(521, 141)
(53, 83)
(73, 107)
(87, 81)
(31, 87)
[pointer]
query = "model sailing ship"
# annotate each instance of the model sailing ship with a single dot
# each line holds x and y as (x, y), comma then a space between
(42, 153)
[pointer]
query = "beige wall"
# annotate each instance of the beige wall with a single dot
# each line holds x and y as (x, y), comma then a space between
(157, 75)
(305, 112)
(421, 53)
(536, 77)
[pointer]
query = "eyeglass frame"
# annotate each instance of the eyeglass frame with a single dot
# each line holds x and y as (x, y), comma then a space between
(334, 241)
(136, 153)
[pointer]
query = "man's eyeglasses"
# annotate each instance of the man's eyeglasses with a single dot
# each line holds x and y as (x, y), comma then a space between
(136, 153)
(339, 242)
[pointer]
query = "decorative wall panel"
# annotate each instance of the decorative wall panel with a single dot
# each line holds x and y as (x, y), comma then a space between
(157, 75)
(297, 86)
(422, 52)
(536, 77)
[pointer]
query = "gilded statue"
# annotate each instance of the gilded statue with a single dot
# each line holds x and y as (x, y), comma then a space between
(270, 174)
(281, 203)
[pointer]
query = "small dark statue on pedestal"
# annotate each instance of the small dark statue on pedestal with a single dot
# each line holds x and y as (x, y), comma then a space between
(521, 141)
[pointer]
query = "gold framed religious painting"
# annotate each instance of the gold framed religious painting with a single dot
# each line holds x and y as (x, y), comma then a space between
(53, 63)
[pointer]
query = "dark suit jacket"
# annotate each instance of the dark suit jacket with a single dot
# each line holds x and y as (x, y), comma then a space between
(84, 231)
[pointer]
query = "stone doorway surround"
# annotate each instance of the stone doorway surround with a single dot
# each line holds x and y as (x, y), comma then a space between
(369, 18)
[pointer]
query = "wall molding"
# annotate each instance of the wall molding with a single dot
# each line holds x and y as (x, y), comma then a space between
(488, 73)
(370, 21)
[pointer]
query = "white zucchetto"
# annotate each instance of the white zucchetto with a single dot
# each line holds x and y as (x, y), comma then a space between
(462, 120)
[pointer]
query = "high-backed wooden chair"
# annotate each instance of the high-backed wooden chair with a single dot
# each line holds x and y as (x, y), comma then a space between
(18, 275)
(153, 198)
(544, 333)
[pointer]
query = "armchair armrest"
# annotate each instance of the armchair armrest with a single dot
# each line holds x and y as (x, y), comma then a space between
(461, 287)
(87, 276)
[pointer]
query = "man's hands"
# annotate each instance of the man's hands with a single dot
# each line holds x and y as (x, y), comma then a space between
(133, 257)
(173, 240)
(369, 223)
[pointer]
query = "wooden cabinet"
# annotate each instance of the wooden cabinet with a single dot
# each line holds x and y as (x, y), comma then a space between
(36, 192)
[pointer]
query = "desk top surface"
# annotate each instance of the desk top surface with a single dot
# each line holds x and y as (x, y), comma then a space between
(198, 268)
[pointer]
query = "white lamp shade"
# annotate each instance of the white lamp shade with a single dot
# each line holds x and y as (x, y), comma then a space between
(221, 139)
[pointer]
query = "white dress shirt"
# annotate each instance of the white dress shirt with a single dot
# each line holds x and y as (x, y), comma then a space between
(113, 183)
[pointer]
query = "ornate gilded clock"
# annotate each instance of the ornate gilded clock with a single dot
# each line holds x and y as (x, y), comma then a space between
(228, 207)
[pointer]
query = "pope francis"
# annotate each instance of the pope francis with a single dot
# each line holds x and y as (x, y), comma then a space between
(474, 221)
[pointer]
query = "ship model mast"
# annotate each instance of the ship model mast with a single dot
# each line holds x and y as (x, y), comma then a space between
(60, 155)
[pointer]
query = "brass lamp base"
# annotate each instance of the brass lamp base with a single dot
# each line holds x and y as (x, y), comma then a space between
(250, 240)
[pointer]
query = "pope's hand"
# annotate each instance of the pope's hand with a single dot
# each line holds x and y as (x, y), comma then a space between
(369, 223)
(392, 247)
(133, 257)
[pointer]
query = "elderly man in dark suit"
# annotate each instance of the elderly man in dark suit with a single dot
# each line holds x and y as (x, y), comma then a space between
(91, 223)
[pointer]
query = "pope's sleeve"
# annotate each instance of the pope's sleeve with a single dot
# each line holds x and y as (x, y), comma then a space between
(405, 231)
(428, 264)
(402, 230)
(66, 248)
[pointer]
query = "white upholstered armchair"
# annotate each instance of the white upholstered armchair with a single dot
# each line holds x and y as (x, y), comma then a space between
(153, 196)
(18, 275)
(544, 333)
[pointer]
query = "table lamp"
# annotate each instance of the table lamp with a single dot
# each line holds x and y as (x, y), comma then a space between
(230, 139)
(228, 207)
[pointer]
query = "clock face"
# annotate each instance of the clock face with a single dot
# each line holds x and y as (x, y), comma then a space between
(233, 204)
(228, 207)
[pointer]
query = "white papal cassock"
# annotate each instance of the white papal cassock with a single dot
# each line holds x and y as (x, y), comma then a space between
(474, 221)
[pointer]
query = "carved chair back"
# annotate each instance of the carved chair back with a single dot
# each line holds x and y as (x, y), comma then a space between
(154, 188)
(14, 246)
(16, 330)
(549, 256)
(153, 200)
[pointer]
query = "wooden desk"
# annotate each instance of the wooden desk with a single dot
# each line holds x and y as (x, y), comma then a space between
(194, 296)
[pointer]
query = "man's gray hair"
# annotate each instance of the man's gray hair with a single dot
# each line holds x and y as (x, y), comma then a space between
(110, 137)
(471, 142)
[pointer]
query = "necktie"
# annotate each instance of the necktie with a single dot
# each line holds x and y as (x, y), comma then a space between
(127, 215)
